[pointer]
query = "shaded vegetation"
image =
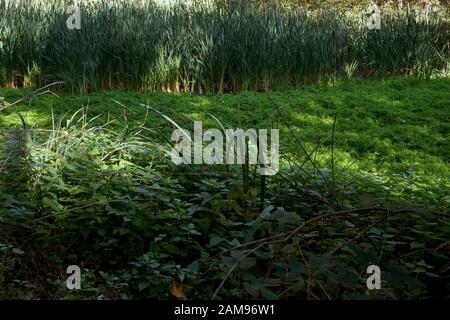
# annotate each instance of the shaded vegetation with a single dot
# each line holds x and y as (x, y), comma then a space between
(94, 187)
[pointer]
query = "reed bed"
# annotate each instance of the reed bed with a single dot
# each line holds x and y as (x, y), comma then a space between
(206, 47)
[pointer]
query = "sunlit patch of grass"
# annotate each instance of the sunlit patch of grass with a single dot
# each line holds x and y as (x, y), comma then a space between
(386, 126)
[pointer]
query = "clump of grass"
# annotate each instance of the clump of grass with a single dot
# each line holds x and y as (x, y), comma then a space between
(208, 47)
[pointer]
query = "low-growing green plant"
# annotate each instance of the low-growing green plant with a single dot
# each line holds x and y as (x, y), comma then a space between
(140, 227)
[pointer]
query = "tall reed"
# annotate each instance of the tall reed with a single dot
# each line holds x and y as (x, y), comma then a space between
(205, 47)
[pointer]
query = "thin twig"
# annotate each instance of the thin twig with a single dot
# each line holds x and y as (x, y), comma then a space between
(284, 237)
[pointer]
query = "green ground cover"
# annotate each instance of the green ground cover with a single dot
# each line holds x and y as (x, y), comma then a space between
(395, 126)
(101, 195)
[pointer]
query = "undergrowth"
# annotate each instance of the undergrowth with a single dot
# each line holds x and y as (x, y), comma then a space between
(112, 202)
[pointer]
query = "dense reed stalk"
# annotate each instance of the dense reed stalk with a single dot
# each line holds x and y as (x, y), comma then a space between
(208, 48)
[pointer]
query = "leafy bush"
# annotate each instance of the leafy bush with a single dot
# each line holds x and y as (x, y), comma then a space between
(141, 227)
